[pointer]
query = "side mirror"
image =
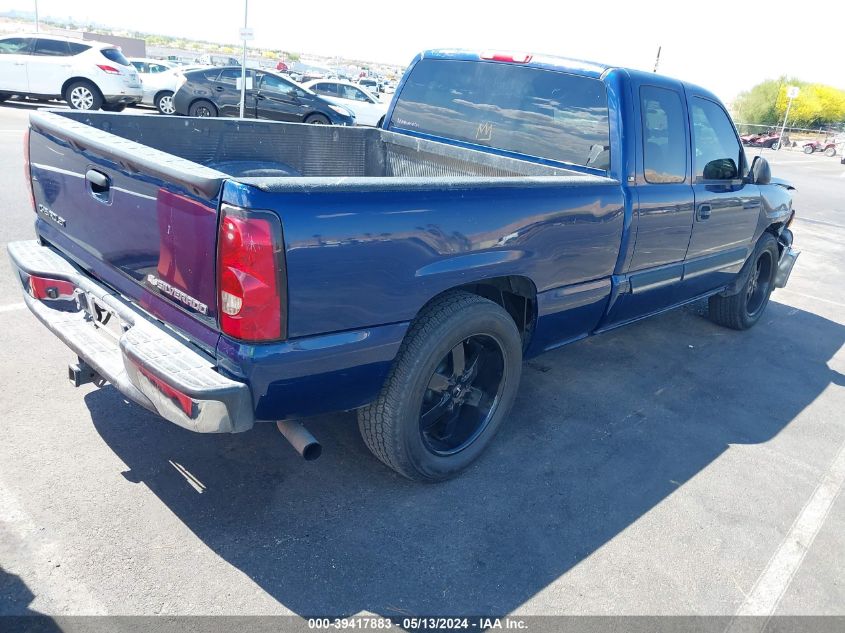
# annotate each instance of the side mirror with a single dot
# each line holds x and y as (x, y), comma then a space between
(721, 169)
(761, 173)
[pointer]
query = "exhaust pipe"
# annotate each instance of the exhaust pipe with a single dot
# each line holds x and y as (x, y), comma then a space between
(301, 439)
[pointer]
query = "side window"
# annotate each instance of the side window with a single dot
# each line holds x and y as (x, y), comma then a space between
(50, 48)
(157, 68)
(358, 95)
(718, 154)
(271, 83)
(76, 48)
(15, 45)
(139, 66)
(230, 76)
(664, 135)
(326, 89)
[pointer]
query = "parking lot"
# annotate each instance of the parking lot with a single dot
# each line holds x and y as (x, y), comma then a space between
(672, 467)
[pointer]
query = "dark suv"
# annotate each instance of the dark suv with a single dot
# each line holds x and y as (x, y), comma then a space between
(216, 92)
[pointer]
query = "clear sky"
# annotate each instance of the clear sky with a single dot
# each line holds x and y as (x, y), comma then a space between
(724, 46)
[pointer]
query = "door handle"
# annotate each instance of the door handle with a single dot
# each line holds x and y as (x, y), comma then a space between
(703, 212)
(219, 88)
(99, 185)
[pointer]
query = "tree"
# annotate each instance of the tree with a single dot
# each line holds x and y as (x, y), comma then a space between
(817, 105)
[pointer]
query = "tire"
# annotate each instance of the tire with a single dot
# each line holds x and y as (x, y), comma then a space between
(808, 149)
(451, 385)
(830, 151)
(83, 95)
(164, 102)
(742, 310)
(380, 123)
(114, 107)
(317, 119)
(775, 146)
(202, 108)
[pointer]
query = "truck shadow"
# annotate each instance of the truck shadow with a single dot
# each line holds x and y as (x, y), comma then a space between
(603, 431)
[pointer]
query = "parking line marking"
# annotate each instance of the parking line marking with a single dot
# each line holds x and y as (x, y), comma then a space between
(776, 578)
(813, 297)
(12, 307)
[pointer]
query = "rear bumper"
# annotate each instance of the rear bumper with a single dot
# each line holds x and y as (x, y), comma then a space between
(146, 363)
(127, 99)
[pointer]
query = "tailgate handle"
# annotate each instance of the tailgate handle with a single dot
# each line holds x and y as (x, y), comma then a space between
(98, 184)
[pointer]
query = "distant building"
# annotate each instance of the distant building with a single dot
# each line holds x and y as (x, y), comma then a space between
(130, 46)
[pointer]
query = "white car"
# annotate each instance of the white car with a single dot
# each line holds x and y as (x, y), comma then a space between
(159, 87)
(367, 108)
(88, 75)
(147, 66)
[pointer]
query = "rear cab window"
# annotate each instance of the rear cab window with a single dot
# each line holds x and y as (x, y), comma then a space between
(534, 112)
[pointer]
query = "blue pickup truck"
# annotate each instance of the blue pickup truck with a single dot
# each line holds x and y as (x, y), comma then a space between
(222, 272)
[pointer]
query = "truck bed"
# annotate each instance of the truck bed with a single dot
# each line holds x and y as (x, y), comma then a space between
(266, 149)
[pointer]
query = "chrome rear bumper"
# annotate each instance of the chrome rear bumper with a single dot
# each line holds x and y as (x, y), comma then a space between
(147, 363)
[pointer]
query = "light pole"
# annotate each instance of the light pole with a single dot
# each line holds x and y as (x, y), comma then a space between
(243, 61)
(791, 93)
(36, 16)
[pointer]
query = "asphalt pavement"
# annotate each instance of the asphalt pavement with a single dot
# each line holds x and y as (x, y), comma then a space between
(670, 467)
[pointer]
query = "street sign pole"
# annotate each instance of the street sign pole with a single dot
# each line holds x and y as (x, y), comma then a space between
(243, 61)
(791, 93)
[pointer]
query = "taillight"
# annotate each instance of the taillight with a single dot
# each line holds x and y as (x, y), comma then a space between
(108, 69)
(250, 276)
(515, 58)
(27, 171)
(42, 288)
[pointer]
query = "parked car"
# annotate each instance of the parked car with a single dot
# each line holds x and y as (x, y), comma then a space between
(370, 84)
(827, 146)
(210, 59)
(215, 92)
(147, 66)
(367, 108)
(242, 271)
(88, 75)
(160, 87)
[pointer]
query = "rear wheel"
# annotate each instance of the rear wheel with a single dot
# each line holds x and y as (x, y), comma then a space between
(742, 310)
(83, 95)
(318, 119)
(451, 386)
(380, 122)
(202, 108)
(809, 149)
(164, 103)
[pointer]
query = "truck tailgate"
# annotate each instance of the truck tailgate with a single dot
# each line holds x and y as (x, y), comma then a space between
(143, 221)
